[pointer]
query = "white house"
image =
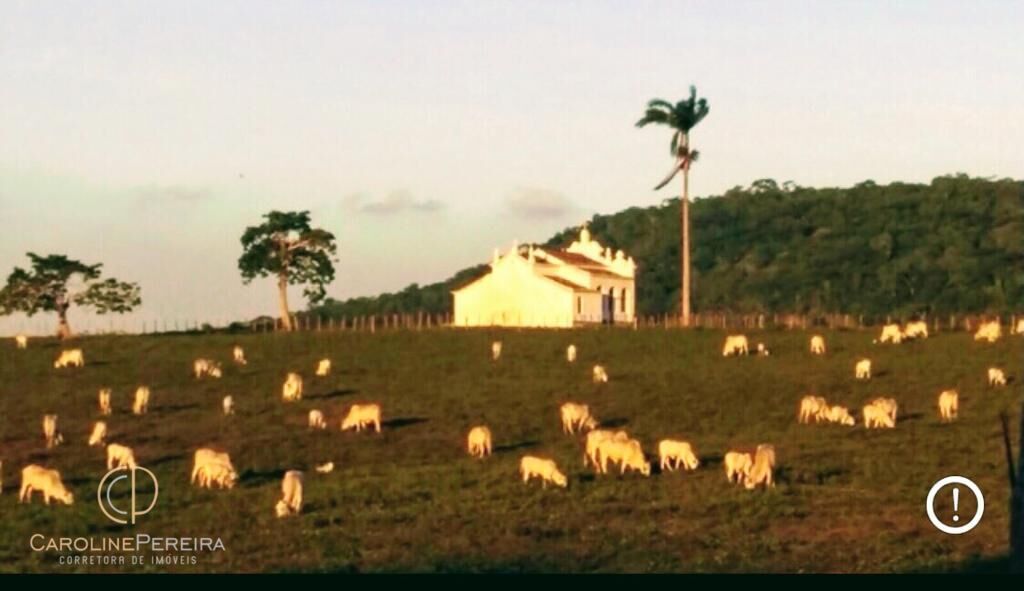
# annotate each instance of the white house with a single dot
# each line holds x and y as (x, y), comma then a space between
(528, 286)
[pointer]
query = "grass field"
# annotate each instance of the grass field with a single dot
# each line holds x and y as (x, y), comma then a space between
(409, 499)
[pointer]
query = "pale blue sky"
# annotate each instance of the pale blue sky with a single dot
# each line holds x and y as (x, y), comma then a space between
(146, 135)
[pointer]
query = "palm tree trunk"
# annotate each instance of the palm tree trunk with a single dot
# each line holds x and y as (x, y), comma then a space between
(63, 328)
(684, 304)
(282, 298)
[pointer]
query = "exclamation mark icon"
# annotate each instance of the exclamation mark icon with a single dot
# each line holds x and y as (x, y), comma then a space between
(956, 503)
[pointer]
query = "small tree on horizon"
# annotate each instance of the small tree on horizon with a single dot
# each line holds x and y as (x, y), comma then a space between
(681, 117)
(288, 248)
(55, 283)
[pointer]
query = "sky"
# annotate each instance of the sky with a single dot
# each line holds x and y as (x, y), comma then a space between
(147, 135)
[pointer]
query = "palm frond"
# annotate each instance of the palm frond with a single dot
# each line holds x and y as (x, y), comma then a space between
(671, 174)
(655, 116)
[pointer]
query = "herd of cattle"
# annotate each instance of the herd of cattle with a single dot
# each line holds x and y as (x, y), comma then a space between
(601, 447)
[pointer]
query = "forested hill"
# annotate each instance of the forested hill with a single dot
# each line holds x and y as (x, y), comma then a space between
(954, 245)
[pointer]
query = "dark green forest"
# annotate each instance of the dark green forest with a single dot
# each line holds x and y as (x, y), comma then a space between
(955, 245)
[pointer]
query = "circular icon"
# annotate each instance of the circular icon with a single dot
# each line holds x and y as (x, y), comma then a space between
(929, 505)
(129, 475)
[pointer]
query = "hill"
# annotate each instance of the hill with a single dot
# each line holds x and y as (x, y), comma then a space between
(953, 245)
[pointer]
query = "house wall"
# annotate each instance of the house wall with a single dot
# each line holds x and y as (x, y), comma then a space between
(512, 295)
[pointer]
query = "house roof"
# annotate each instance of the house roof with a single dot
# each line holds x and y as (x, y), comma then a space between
(567, 283)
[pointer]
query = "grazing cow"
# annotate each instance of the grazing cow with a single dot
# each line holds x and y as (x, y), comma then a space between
(478, 442)
(291, 489)
(891, 333)
(888, 405)
(141, 404)
(996, 377)
(576, 417)
(105, 408)
(47, 482)
(673, 453)
(876, 417)
(325, 468)
(817, 345)
(1019, 327)
(211, 467)
(292, 388)
(21, 341)
(841, 415)
(737, 466)
(949, 404)
(542, 468)
(916, 330)
(206, 367)
(862, 371)
(591, 453)
(70, 357)
(360, 416)
(323, 368)
(735, 345)
(570, 353)
(316, 420)
(762, 350)
(761, 470)
(812, 407)
(600, 375)
(238, 354)
(120, 455)
(50, 432)
(495, 350)
(99, 434)
(989, 331)
(228, 405)
(628, 454)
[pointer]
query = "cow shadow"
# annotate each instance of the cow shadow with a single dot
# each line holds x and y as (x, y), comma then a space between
(911, 416)
(333, 394)
(499, 449)
(177, 407)
(616, 423)
(711, 459)
(254, 478)
(165, 459)
(403, 422)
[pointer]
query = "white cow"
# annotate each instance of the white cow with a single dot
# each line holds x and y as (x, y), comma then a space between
(891, 333)
(570, 353)
(628, 454)
(673, 453)
(228, 405)
(591, 453)
(325, 468)
(206, 367)
(47, 482)
(1019, 327)
(817, 345)
(211, 467)
(876, 417)
(238, 354)
(291, 489)
(21, 341)
(737, 465)
(545, 469)
(105, 408)
(812, 407)
(495, 350)
(996, 377)
(50, 432)
(888, 405)
(916, 330)
(323, 368)
(735, 345)
(762, 350)
(478, 442)
(141, 404)
(361, 416)
(862, 371)
(316, 420)
(949, 404)
(576, 417)
(70, 357)
(99, 434)
(840, 415)
(292, 388)
(600, 375)
(761, 470)
(989, 331)
(120, 455)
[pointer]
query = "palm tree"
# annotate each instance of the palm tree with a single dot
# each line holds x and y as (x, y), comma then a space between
(681, 117)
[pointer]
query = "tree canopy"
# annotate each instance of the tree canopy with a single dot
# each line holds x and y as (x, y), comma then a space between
(54, 283)
(955, 245)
